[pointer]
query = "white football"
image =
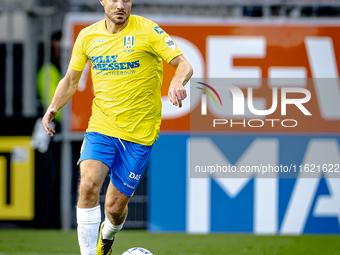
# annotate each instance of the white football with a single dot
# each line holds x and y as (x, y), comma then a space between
(137, 251)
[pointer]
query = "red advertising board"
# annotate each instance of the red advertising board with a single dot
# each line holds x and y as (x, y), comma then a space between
(247, 50)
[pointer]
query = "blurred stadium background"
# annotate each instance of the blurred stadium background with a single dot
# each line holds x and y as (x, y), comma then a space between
(269, 38)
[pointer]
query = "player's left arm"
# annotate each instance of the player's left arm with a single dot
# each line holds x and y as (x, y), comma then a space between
(183, 73)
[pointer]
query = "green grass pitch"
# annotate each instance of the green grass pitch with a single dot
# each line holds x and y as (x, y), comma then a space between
(44, 242)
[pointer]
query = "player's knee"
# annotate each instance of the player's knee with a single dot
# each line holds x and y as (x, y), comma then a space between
(89, 190)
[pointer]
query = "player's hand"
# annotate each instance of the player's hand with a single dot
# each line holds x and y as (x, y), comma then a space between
(177, 93)
(48, 117)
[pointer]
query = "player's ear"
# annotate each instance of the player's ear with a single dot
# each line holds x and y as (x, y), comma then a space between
(102, 2)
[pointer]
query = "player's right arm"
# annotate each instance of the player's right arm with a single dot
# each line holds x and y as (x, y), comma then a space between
(64, 92)
(69, 84)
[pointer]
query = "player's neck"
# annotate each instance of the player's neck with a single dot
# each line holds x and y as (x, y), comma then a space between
(115, 28)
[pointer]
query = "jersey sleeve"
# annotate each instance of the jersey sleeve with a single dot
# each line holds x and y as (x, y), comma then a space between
(79, 58)
(162, 44)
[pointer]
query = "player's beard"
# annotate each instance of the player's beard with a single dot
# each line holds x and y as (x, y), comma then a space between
(117, 21)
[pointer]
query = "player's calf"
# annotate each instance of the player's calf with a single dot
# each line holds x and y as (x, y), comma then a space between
(116, 213)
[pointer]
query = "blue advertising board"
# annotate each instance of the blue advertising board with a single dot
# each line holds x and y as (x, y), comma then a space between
(306, 202)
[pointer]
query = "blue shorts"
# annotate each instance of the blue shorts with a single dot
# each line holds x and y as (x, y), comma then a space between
(127, 160)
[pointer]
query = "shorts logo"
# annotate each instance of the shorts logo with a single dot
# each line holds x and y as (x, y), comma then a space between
(170, 43)
(127, 185)
(159, 30)
(129, 41)
(134, 177)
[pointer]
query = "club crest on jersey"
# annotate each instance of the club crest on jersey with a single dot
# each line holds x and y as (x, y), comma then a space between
(129, 41)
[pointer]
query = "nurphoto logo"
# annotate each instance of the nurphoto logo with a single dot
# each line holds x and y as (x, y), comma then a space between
(239, 103)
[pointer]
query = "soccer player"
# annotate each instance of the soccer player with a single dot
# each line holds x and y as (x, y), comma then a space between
(126, 53)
